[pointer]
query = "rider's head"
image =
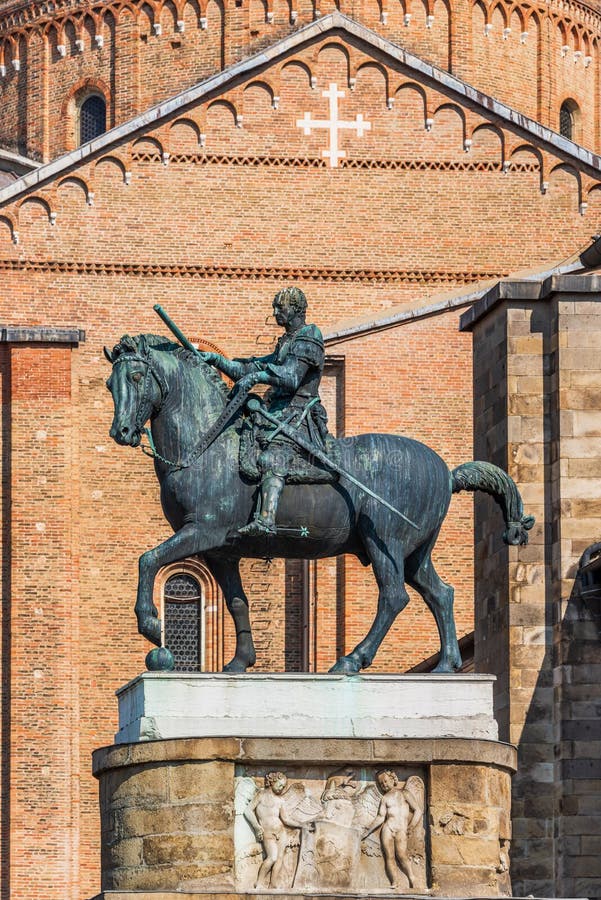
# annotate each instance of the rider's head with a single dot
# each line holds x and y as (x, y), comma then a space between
(291, 299)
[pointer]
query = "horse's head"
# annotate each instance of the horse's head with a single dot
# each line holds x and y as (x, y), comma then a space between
(137, 386)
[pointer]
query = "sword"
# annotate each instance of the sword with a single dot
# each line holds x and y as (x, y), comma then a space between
(255, 405)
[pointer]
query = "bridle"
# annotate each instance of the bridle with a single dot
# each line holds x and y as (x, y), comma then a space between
(235, 404)
(149, 372)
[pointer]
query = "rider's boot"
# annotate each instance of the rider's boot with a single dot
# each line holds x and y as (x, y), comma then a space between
(264, 521)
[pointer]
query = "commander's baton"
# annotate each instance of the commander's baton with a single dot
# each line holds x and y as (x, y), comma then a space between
(255, 405)
(179, 334)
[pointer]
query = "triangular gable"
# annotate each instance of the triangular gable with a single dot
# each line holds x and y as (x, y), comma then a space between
(528, 131)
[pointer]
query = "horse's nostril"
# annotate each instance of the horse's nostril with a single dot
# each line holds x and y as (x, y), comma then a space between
(124, 431)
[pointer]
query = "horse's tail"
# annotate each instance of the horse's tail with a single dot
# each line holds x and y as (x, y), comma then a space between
(484, 476)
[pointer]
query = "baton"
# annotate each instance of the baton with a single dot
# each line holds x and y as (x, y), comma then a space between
(179, 334)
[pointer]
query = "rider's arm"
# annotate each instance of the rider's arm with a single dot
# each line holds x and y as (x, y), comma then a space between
(306, 352)
(236, 368)
(288, 376)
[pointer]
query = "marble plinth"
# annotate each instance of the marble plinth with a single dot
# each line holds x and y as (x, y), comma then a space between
(158, 706)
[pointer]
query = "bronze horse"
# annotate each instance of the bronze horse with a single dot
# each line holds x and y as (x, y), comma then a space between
(206, 500)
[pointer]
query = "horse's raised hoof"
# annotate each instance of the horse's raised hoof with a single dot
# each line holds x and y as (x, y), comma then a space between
(151, 629)
(235, 666)
(160, 659)
(346, 665)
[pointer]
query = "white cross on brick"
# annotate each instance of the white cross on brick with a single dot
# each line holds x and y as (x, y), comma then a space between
(333, 125)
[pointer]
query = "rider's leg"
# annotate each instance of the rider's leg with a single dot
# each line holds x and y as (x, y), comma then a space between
(274, 463)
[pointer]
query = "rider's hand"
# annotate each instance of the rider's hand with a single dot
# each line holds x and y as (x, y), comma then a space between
(260, 834)
(244, 384)
(211, 358)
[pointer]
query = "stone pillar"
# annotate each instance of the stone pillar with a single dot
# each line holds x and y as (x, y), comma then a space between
(537, 413)
(40, 762)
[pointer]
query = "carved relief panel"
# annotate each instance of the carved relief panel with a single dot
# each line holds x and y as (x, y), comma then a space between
(309, 829)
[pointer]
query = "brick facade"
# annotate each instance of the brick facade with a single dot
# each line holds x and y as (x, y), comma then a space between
(532, 57)
(208, 205)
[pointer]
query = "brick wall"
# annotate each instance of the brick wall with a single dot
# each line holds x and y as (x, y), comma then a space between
(530, 59)
(211, 236)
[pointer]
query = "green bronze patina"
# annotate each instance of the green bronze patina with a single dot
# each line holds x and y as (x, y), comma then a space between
(380, 497)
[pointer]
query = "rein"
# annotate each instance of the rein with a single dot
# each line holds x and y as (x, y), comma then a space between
(206, 440)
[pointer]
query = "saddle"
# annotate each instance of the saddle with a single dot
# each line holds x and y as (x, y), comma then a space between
(301, 470)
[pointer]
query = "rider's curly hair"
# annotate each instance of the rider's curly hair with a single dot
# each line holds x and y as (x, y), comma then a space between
(294, 297)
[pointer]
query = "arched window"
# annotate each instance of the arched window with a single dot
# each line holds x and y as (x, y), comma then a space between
(92, 118)
(182, 616)
(568, 119)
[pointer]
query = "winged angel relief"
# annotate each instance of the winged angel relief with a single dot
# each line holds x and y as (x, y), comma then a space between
(350, 833)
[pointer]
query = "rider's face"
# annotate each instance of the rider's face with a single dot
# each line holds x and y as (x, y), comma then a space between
(282, 312)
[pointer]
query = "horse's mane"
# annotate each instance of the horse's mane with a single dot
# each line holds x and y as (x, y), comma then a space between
(142, 343)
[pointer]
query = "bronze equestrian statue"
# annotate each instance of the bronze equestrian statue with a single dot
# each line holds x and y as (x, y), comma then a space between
(233, 485)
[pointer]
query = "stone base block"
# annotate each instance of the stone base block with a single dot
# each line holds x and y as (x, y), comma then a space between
(176, 895)
(160, 705)
(345, 817)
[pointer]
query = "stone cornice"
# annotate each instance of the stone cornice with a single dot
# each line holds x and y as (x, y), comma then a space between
(42, 334)
(572, 283)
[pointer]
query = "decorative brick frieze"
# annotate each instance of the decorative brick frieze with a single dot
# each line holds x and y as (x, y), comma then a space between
(249, 273)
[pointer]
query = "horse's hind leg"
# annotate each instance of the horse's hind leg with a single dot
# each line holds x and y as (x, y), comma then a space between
(227, 575)
(388, 568)
(438, 596)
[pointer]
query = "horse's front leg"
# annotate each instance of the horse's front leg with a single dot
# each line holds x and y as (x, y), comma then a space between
(186, 542)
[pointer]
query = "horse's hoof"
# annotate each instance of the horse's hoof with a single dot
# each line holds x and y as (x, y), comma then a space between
(235, 666)
(151, 629)
(445, 668)
(346, 666)
(160, 659)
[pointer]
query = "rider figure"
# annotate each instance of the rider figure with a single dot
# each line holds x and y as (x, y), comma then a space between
(293, 371)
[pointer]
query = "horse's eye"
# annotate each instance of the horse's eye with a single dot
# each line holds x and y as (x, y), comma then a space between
(137, 376)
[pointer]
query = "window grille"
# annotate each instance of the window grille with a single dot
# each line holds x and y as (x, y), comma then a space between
(92, 118)
(566, 121)
(182, 618)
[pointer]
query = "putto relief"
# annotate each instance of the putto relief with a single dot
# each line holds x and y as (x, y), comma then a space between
(309, 831)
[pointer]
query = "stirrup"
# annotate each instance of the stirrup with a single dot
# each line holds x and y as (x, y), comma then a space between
(257, 527)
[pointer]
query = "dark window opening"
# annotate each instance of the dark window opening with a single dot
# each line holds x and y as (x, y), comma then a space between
(567, 119)
(92, 118)
(183, 624)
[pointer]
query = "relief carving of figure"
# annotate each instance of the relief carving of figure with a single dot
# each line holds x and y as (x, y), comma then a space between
(399, 814)
(273, 813)
(311, 845)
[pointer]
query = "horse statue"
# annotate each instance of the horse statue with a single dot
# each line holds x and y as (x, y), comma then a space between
(195, 440)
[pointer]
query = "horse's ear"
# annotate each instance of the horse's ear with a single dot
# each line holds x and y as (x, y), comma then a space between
(108, 355)
(143, 348)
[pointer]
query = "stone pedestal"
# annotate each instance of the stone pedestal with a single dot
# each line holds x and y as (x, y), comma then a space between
(209, 814)
(159, 705)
